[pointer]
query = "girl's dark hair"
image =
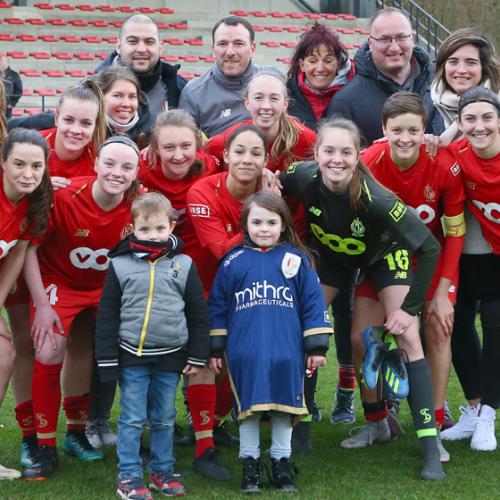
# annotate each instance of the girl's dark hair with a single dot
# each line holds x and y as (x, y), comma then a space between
(179, 118)
(40, 200)
(276, 204)
(490, 65)
(401, 103)
(88, 90)
(309, 43)
(478, 94)
(246, 128)
(355, 187)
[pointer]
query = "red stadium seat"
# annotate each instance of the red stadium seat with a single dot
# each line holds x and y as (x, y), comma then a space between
(40, 55)
(27, 92)
(277, 15)
(99, 23)
(165, 10)
(101, 55)
(174, 41)
(295, 15)
(84, 56)
(117, 24)
(32, 111)
(312, 15)
(53, 73)
(5, 5)
(292, 29)
(270, 44)
(274, 29)
(57, 22)
(329, 16)
(189, 58)
(257, 13)
(35, 21)
(258, 28)
(106, 8)
(110, 39)
(90, 72)
(361, 31)
(289, 45)
(48, 38)
(26, 38)
(13, 20)
(169, 58)
(180, 26)
(197, 42)
(65, 56)
(70, 39)
(17, 54)
(145, 10)
(85, 7)
(65, 6)
(5, 37)
(44, 6)
(30, 72)
(18, 112)
(92, 39)
(208, 58)
(347, 17)
(126, 9)
(239, 13)
(79, 22)
(285, 60)
(46, 92)
(75, 72)
(163, 26)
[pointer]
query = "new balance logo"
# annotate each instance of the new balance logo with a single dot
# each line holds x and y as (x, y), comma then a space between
(82, 233)
(315, 211)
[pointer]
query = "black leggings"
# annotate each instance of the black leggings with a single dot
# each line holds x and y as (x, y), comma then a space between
(478, 368)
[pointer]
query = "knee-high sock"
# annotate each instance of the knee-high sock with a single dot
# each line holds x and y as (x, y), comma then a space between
(77, 411)
(25, 417)
(201, 401)
(46, 401)
(224, 399)
(421, 403)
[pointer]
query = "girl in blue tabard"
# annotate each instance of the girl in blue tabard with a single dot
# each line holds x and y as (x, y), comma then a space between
(269, 318)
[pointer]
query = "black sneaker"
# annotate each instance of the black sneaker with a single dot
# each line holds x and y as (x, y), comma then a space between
(29, 450)
(222, 437)
(44, 464)
(181, 439)
(283, 475)
(250, 483)
(208, 465)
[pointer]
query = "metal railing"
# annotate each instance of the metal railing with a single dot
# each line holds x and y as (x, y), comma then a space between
(429, 32)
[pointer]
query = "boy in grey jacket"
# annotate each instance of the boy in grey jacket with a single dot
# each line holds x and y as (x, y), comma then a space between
(152, 326)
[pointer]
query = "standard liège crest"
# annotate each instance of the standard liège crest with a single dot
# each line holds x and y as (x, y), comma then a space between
(357, 228)
(429, 194)
(290, 265)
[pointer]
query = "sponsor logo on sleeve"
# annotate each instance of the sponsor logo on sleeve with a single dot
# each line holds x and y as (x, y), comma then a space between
(397, 211)
(197, 210)
(291, 168)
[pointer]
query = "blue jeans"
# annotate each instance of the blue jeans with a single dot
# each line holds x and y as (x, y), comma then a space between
(146, 395)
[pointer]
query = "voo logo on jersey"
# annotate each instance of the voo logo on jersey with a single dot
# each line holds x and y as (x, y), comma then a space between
(490, 210)
(426, 213)
(86, 258)
(5, 247)
(263, 294)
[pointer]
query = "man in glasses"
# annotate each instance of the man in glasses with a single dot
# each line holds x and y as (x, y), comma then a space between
(387, 63)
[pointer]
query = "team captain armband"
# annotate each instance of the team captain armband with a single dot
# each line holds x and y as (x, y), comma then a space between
(455, 225)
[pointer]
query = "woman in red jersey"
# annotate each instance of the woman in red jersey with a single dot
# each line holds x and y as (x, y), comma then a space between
(25, 200)
(434, 187)
(287, 139)
(214, 206)
(65, 274)
(79, 132)
(478, 155)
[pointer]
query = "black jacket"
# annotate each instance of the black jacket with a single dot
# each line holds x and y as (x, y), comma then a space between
(13, 88)
(167, 72)
(363, 98)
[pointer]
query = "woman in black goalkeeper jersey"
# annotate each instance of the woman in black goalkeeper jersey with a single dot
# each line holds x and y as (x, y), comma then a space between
(355, 223)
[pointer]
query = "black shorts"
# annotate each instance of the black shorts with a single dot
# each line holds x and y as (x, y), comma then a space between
(395, 268)
(331, 274)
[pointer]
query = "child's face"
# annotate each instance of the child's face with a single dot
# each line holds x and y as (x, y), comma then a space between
(157, 227)
(264, 227)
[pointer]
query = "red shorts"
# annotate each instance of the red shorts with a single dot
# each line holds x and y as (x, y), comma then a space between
(69, 303)
(366, 288)
(19, 293)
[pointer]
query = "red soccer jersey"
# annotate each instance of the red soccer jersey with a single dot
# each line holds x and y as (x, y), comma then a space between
(303, 150)
(215, 215)
(83, 166)
(74, 251)
(176, 191)
(433, 186)
(482, 189)
(12, 220)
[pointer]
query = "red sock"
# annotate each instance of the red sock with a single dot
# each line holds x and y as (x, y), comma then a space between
(347, 377)
(77, 411)
(374, 412)
(46, 401)
(439, 414)
(224, 401)
(201, 402)
(25, 417)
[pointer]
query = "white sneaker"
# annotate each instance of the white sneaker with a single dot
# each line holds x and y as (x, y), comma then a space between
(108, 437)
(8, 473)
(484, 438)
(465, 426)
(92, 433)
(372, 432)
(444, 456)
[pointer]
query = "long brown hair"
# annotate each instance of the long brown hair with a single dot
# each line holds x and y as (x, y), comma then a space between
(288, 134)
(40, 200)
(88, 90)
(355, 186)
(276, 204)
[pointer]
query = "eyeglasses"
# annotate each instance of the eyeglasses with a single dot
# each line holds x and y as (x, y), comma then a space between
(387, 40)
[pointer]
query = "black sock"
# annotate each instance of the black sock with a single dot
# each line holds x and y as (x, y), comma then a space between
(421, 404)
